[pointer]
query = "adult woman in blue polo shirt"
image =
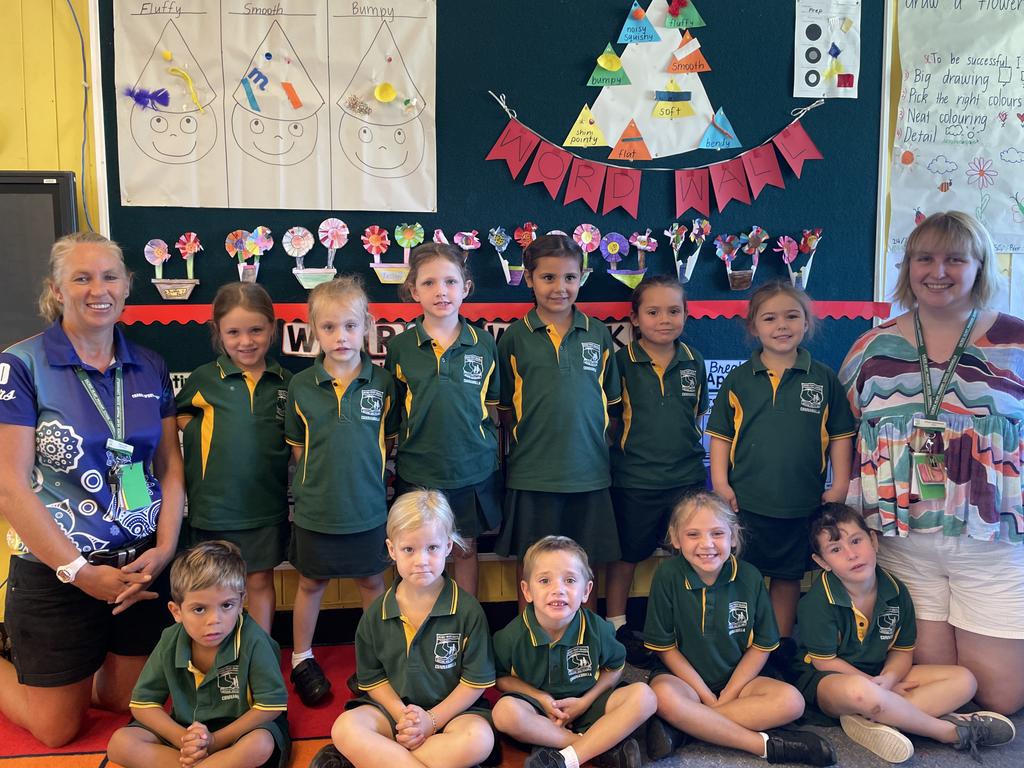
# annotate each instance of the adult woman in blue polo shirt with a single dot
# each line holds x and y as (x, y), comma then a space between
(91, 483)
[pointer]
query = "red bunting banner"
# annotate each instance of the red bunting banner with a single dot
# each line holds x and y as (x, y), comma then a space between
(693, 191)
(730, 183)
(550, 165)
(735, 179)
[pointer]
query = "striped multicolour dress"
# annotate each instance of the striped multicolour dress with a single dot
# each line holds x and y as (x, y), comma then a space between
(984, 415)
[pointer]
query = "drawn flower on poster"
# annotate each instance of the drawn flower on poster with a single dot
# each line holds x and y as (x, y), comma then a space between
(172, 120)
(381, 132)
(980, 173)
(276, 104)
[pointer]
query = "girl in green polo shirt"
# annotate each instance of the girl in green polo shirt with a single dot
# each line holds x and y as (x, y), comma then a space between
(710, 622)
(446, 374)
(231, 412)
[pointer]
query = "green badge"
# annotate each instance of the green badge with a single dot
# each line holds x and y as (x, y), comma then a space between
(134, 489)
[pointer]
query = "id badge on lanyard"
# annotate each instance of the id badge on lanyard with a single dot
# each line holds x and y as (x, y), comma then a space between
(927, 454)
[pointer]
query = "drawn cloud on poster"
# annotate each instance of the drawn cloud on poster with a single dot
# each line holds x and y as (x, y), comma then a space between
(381, 132)
(185, 129)
(1011, 155)
(942, 165)
(276, 102)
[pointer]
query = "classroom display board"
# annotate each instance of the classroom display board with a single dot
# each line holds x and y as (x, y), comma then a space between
(550, 62)
(960, 128)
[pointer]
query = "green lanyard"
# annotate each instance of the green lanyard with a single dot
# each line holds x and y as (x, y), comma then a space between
(116, 426)
(933, 400)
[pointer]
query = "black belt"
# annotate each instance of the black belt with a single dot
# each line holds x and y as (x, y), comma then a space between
(118, 558)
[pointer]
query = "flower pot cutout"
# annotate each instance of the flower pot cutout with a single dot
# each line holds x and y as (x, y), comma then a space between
(297, 242)
(157, 252)
(376, 242)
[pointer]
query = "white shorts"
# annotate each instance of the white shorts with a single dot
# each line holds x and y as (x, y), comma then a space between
(973, 585)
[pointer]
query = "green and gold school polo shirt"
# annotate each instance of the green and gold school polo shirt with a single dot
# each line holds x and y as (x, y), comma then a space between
(236, 458)
(339, 481)
(831, 626)
(569, 666)
(559, 390)
(661, 443)
(246, 674)
(446, 440)
(424, 665)
(712, 626)
(760, 414)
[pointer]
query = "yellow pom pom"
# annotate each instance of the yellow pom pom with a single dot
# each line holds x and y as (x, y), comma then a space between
(167, 55)
(609, 61)
(384, 92)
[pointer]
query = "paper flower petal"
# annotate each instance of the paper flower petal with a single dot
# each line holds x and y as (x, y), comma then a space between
(297, 242)
(333, 233)
(587, 237)
(409, 235)
(156, 252)
(375, 240)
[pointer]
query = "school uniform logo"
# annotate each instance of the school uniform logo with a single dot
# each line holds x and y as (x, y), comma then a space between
(688, 381)
(578, 663)
(889, 622)
(812, 397)
(590, 352)
(227, 683)
(738, 617)
(371, 404)
(472, 369)
(446, 649)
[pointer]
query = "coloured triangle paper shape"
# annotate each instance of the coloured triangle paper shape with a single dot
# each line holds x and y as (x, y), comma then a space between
(686, 17)
(609, 70)
(720, 134)
(585, 132)
(638, 28)
(673, 102)
(688, 58)
(631, 145)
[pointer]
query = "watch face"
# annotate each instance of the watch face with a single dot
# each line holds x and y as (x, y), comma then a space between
(65, 575)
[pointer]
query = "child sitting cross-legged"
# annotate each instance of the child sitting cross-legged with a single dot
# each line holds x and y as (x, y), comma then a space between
(221, 671)
(857, 631)
(560, 667)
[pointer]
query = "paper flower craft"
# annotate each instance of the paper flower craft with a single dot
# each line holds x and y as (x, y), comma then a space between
(156, 253)
(467, 241)
(614, 248)
(701, 229)
(408, 236)
(526, 234)
(440, 236)
(188, 246)
(727, 248)
(333, 235)
(375, 241)
(499, 238)
(808, 244)
(297, 242)
(644, 244)
(260, 241)
(239, 245)
(676, 238)
(676, 235)
(754, 242)
(788, 247)
(588, 238)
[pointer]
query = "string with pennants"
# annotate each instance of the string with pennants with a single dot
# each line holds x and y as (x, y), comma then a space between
(738, 178)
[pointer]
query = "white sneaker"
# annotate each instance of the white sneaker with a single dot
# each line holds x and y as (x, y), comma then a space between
(884, 740)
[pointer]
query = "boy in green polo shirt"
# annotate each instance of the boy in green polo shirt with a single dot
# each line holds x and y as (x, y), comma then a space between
(221, 671)
(857, 632)
(559, 666)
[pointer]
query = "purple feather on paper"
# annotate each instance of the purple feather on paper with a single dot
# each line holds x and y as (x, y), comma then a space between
(148, 99)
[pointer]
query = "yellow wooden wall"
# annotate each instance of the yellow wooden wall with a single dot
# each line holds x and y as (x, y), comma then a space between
(41, 121)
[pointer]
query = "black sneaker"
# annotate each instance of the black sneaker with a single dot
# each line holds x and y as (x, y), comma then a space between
(544, 757)
(330, 757)
(792, 745)
(636, 653)
(981, 729)
(663, 738)
(625, 754)
(310, 682)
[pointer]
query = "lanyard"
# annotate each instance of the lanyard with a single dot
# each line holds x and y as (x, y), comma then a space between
(116, 426)
(932, 401)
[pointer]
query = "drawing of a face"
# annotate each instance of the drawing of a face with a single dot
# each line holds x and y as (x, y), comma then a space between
(275, 142)
(385, 151)
(172, 137)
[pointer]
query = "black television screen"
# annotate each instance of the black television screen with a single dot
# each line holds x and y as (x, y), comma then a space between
(36, 207)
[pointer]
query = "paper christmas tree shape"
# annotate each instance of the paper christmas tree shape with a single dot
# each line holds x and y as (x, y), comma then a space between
(646, 63)
(672, 102)
(687, 57)
(585, 132)
(720, 134)
(609, 70)
(631, 145)
(686, 16)
(638, 28)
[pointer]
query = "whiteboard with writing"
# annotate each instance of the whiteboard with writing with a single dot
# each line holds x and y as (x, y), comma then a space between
(959, 141)
(297, 104)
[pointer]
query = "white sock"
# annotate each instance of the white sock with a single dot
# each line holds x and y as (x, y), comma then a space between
(298, 658)
(571, 760)
(765, 737)
(617, 621)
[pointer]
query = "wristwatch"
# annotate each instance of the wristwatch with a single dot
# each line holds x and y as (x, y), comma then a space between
(66, 573)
